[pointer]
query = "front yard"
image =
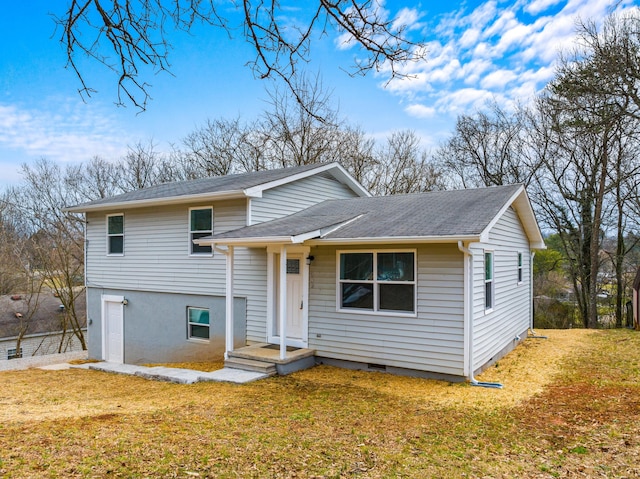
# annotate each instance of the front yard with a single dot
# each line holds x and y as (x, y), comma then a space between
(570, 408)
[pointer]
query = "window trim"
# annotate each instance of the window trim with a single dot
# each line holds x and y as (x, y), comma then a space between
(109, 235)
(376, 296)
(190, 232)
(520, 267)
(489, 307)
(189, 324)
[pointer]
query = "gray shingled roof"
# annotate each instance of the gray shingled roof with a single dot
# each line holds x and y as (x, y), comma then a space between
(217, 184)
(45, 319)
(454, 213)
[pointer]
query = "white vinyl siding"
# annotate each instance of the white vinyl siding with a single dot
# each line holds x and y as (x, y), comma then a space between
(496, 329)
(155, 259)
(432, 340)
(293, 197)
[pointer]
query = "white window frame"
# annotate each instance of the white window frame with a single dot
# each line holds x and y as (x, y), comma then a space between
(109, 236)
(376, 282)
(191, 231)
(491, 281)
(189, 324)
(520, 267)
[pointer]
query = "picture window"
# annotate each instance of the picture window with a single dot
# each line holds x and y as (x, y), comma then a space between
(378, 281)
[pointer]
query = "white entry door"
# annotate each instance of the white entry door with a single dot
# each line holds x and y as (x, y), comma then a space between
(113, 329)
(297, 290)
(295, 295)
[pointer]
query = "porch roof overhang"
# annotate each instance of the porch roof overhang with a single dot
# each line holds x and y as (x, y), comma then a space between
(315, 238)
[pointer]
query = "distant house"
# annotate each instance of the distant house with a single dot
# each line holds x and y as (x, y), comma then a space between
(38, 322)
(433, 284)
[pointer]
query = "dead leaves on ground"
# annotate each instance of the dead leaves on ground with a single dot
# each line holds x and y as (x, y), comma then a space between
(570, 408)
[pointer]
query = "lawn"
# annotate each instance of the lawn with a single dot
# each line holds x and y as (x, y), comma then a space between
(570, 408)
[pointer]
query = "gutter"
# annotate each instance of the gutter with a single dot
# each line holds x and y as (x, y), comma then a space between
(468, 315)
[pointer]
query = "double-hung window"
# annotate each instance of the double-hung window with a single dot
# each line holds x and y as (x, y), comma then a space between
(488, 281)
(14, 353)
(115, 234)
(377, 281)
(520, 268)
(200, 225)
(198, 323)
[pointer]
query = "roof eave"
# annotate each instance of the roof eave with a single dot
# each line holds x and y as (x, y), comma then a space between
(338, 172)
(393, 240)
(521, 203)
(173, 200)
(251, 242)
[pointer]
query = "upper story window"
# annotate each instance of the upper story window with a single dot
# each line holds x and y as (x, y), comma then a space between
(488, 281)
(520, 268)
(377, 281)
(115, 234)
(200, 225)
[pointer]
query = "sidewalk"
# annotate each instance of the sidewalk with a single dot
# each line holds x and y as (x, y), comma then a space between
(176, 375)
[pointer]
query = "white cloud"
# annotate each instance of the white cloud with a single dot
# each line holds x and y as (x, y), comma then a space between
(538, 6)
(65, 131)
(420, 111)
(499, 50)
(498, 79)
(463, 101)
(407, 18)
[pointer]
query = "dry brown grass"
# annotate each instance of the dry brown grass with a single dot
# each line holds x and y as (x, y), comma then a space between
(570, 408)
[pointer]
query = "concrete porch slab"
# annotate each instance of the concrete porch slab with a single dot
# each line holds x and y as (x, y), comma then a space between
(232, 375)
(271, 353)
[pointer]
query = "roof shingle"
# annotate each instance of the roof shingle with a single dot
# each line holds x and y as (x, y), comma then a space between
(217, 184)
(433, 214)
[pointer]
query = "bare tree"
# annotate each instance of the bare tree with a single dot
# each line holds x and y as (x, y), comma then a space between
(579, 149)
(488, 149)
(56, 238)
(301, 128)
(131, 36)
(402, 166)
(222, 147)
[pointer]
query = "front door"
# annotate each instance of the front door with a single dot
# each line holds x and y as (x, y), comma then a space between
(297, 279)
(295, 304)
(113, 329)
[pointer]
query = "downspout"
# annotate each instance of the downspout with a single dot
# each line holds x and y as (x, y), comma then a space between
(468, 316)
(533, 334)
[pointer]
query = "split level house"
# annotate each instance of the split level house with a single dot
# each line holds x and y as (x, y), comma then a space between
(433, 284)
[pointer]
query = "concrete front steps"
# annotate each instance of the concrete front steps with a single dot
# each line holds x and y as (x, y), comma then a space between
(265, 358)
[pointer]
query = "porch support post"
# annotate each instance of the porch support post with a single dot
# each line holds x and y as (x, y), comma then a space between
(229, 320)
(283, 302)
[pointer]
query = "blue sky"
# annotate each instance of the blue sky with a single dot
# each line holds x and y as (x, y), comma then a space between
(476, 51)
